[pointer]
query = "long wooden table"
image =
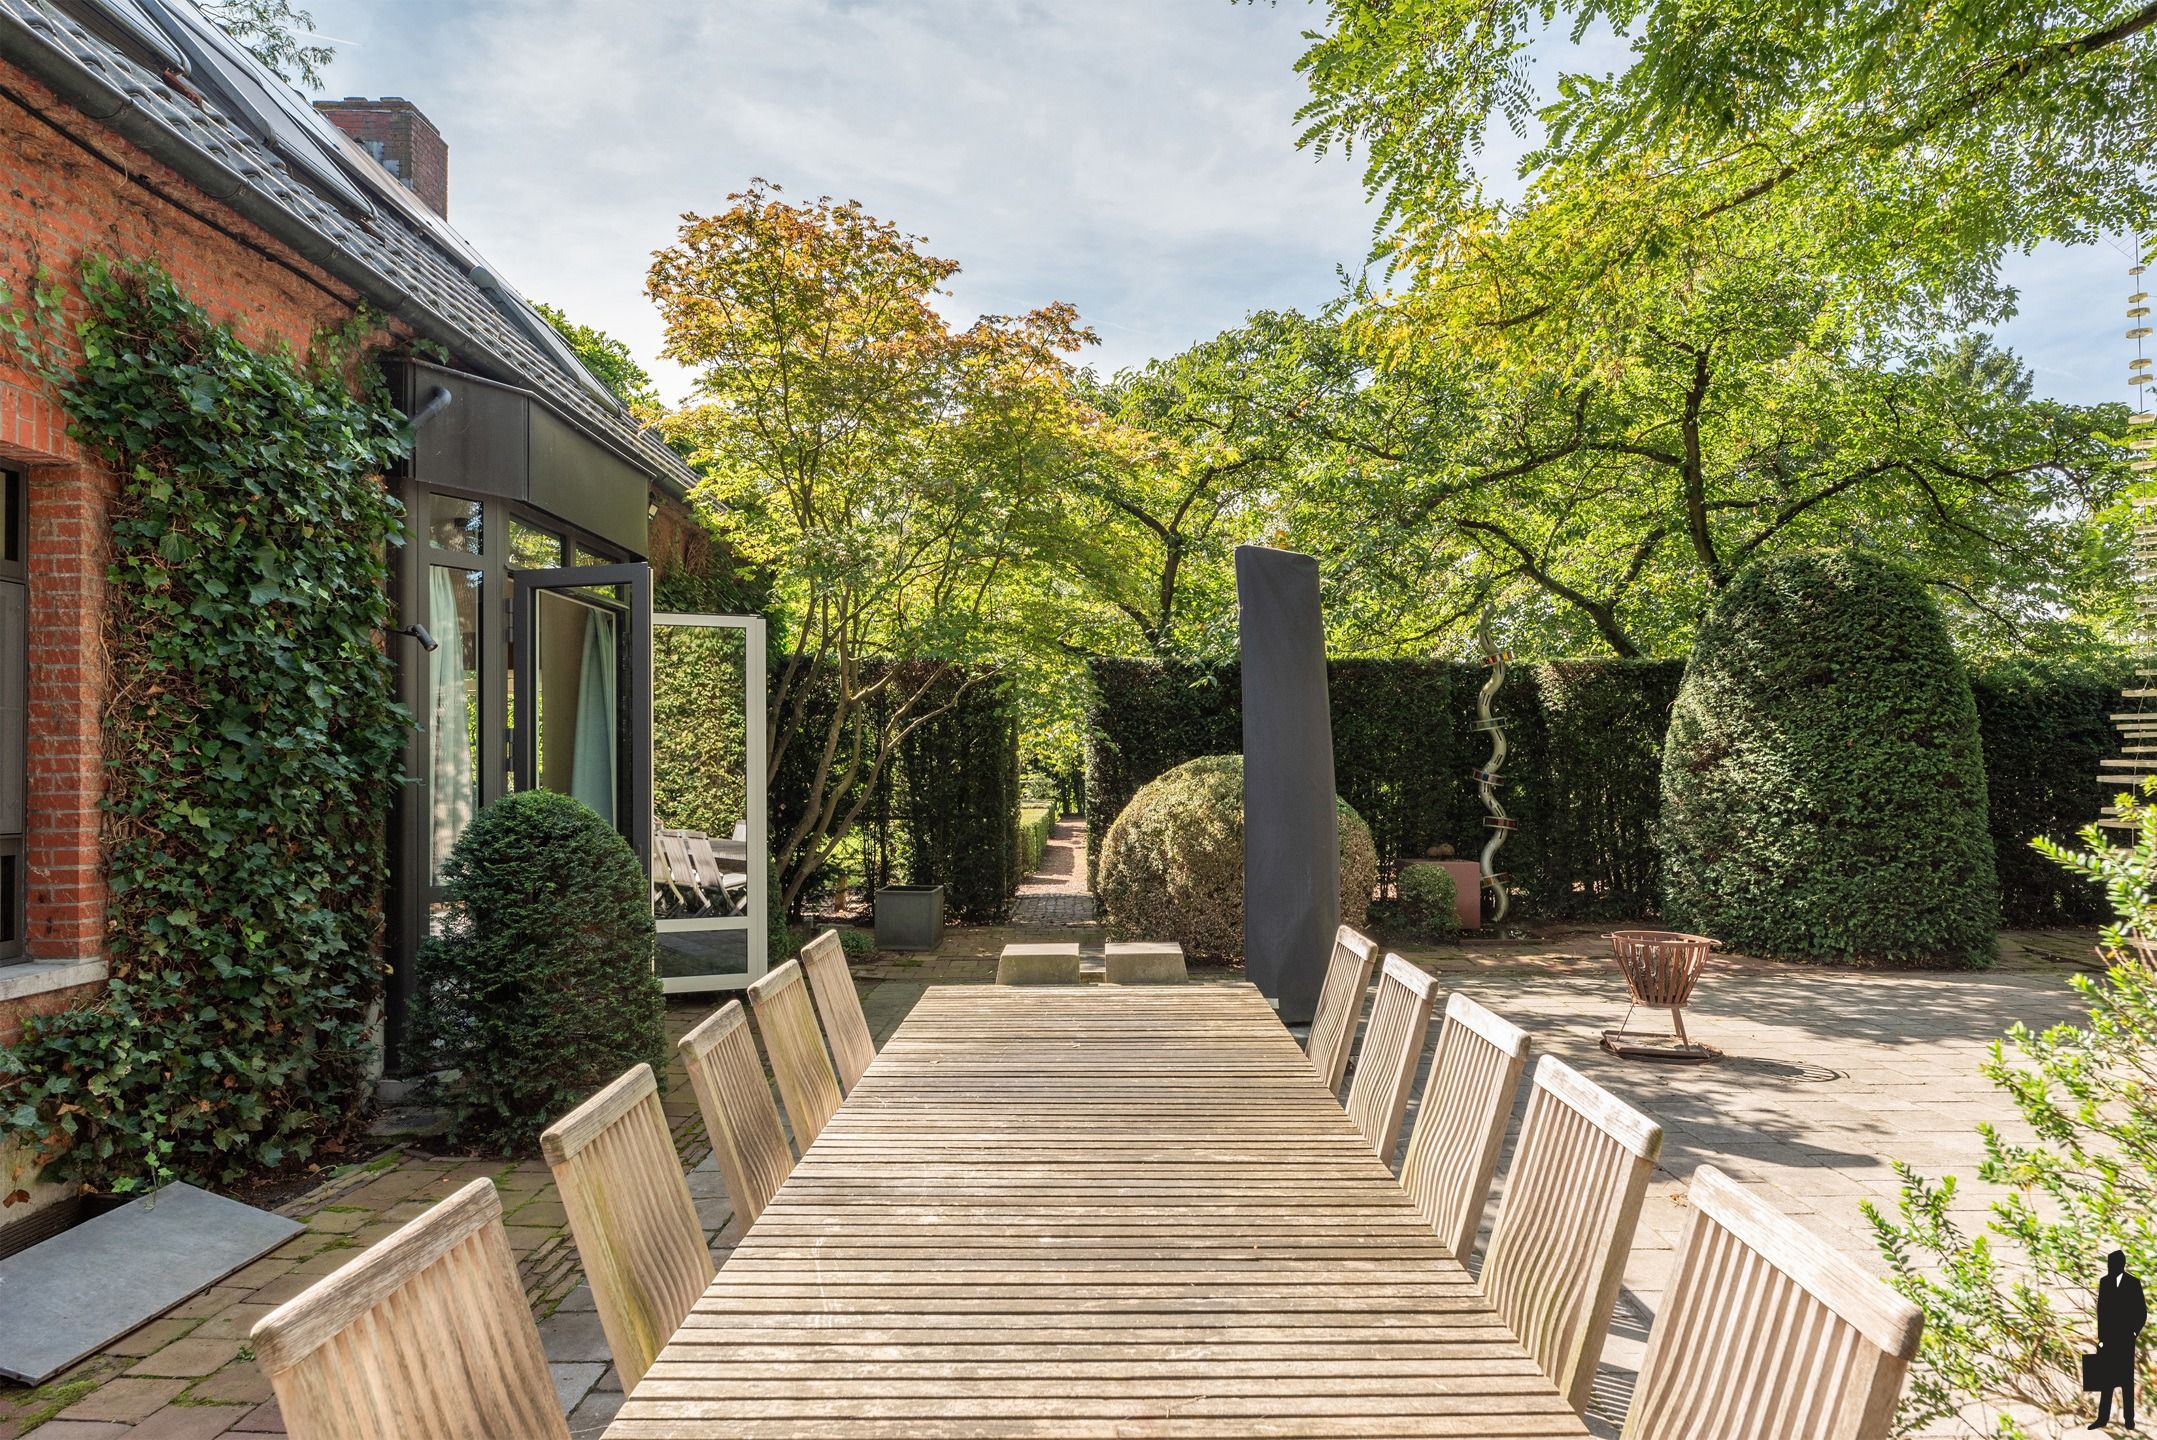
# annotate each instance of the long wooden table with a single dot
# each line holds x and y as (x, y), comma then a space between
(1097, 1211)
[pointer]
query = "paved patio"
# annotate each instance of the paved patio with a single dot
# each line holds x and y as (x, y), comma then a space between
(1829, 1076)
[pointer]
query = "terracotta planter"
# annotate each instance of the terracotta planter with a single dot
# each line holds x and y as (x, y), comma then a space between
(1467, 889)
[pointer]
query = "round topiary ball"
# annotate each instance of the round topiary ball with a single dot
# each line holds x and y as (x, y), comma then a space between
(540, 988)
(1172, 863)
(1823, 785)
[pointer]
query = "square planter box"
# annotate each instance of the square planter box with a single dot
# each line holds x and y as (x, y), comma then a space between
(909, 917)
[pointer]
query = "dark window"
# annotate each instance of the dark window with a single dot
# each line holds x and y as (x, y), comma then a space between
(14, 691)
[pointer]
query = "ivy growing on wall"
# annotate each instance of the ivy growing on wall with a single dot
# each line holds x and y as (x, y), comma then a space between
(251, 742)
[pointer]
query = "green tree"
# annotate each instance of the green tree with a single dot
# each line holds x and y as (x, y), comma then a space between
(611, 362)
(277, 33)
(1929, 138)
(892, 471)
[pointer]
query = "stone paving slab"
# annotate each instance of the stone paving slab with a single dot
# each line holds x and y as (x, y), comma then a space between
(1828, 1076)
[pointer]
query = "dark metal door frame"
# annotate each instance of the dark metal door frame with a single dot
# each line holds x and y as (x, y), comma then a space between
(634, 661)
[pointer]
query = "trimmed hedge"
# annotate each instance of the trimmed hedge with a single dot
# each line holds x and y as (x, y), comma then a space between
(945, 812)
(1584, 769)
(1823, 782)
(1583, 746)
(2045, 727)
(1033, 838)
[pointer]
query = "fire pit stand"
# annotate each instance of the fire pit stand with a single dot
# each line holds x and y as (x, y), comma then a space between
(1661, 968)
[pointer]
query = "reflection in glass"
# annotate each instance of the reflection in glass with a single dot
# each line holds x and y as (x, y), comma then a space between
(531, 548)
(455, 524)
(586, 557)
(576, 700)
(700, 788)
(453, 721)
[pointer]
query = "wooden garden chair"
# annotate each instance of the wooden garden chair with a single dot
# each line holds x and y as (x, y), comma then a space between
(426, 1334)
(780, 1002)
(1460, 1124)
(1572, 1200)
(739, 1114)
(681, 874)
(636, 1228)
(832, 983)
(715, 874)
(1392, 1044)
(1340, 1005)
(1768, 1334)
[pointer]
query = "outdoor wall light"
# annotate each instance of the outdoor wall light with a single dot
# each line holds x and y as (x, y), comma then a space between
(651, 509)
(419, 632)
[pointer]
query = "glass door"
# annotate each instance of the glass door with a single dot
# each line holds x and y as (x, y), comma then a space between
(580, 718)
(709, 848)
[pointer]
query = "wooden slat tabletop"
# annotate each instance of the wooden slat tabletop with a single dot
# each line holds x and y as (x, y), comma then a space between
(1096, 1211)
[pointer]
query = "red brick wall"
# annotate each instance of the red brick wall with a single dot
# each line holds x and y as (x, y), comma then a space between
(57, 202)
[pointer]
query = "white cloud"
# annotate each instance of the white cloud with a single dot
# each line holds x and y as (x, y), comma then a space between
(1135, 157)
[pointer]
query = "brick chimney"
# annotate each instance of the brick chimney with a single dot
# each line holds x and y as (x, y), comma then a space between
(395, 132)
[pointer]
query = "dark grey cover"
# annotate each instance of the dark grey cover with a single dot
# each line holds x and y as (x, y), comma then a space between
(1291, 849)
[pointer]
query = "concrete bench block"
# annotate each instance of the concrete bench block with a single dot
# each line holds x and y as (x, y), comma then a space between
(1052, 962)
(1145, 962)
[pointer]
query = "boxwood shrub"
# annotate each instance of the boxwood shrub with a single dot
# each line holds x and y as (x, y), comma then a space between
(540, 988)
(1823, 782)
(1172, 864)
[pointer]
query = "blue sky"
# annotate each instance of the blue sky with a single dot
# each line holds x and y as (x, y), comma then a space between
(1135, 157)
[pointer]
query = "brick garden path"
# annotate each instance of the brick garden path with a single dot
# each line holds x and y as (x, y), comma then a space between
(1056, 894)
(1829, 1075)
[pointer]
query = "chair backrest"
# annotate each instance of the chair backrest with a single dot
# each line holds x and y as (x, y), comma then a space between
(1572, 1200)
(739, 1113)
(1392, 1043)
(806, 1083)
(1460, 1124)
(674, 853)
(1340, 1005)
(1768, 1333)
(630, 1213)
(428, 1333)
(824, 958)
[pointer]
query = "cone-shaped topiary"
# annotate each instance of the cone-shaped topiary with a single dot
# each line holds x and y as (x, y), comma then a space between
(540, 988)
(1172, 864)
(1823, 784)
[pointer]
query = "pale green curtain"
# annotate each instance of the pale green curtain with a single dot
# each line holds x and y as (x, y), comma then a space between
(449, 729)
(591, 772)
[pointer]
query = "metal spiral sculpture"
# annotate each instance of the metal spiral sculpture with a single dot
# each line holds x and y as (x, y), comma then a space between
(1486, 779)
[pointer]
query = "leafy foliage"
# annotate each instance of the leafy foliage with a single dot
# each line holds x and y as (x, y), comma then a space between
(540, 988)
(611, 362)
(1585, 741)
(884, 465)
(1172, 863)
(1823, 781)
(2045, 728)
(252, 745)
(2009, 1312)
(1926, 140)
(278, 34)
(1033, 841)
(946, 810)
(1428, 901)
